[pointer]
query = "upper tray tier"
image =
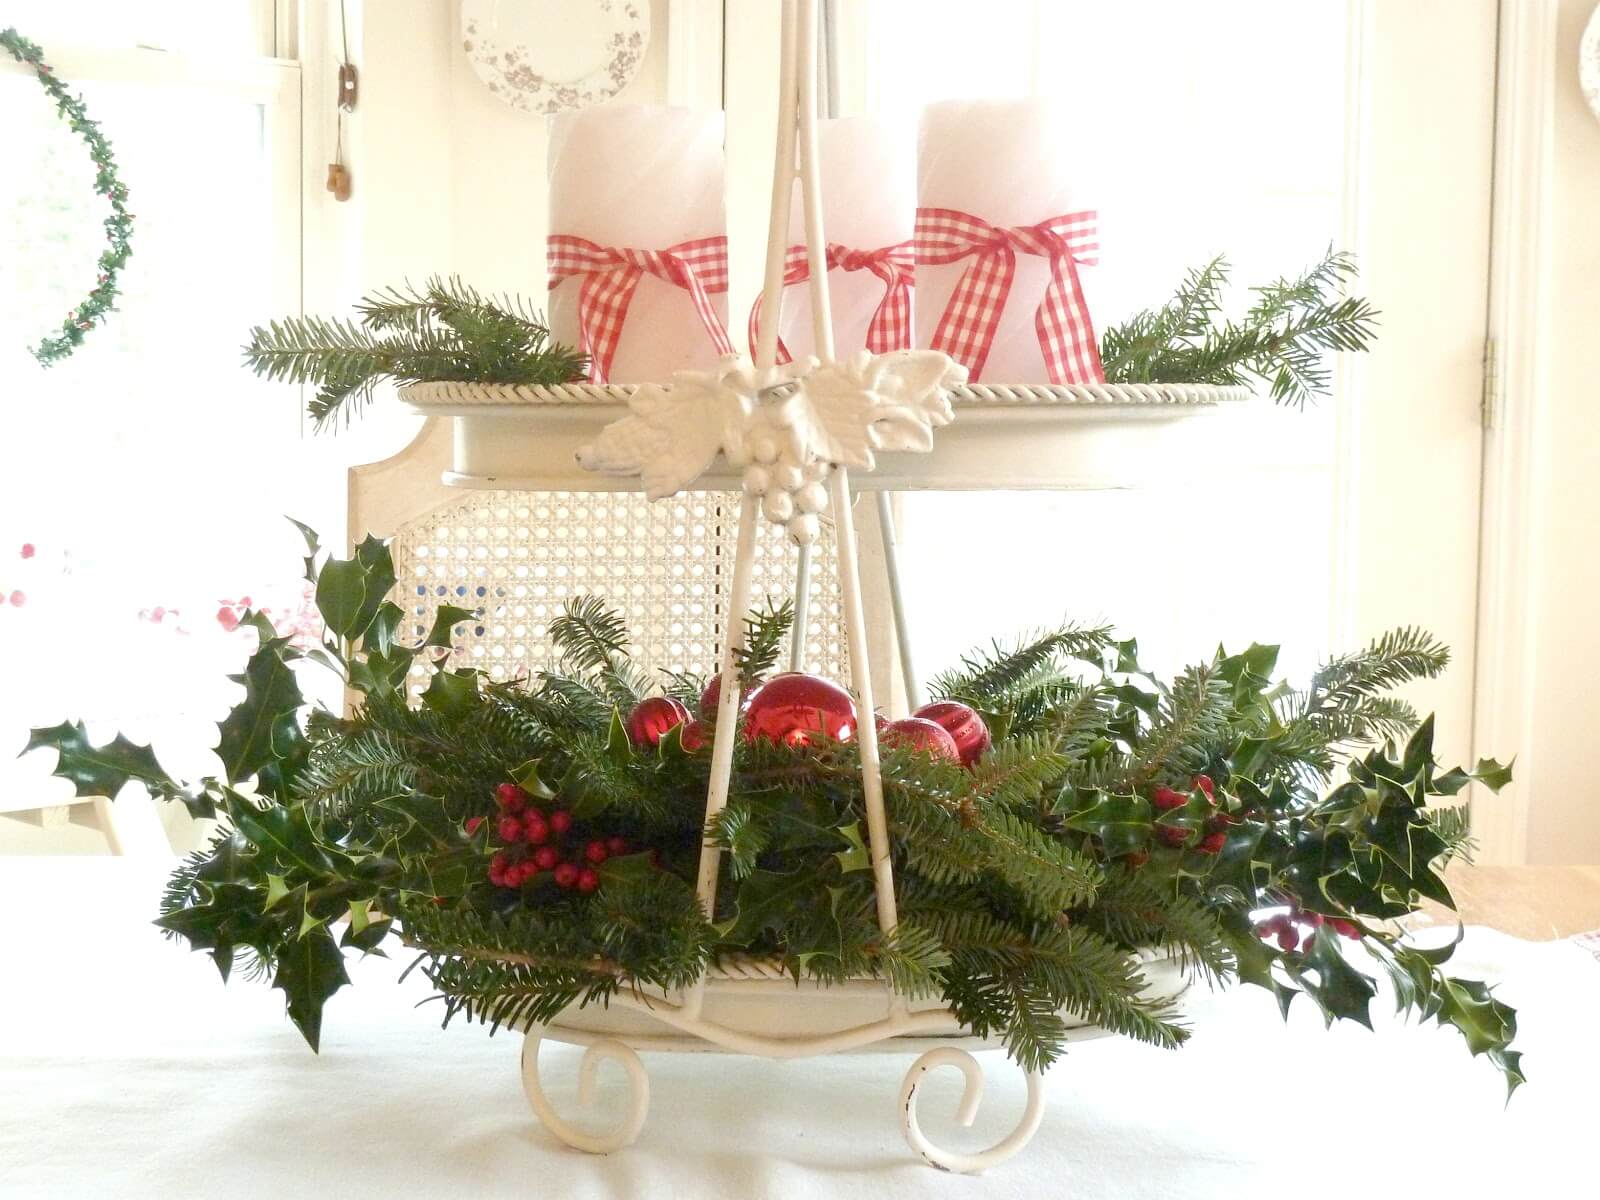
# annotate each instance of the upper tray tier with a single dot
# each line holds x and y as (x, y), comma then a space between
(1005, 436)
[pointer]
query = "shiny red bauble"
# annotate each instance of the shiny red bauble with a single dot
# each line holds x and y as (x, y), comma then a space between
(963, 724)
(651, 720)
(711, 697)
(795, 709)
(919, 733)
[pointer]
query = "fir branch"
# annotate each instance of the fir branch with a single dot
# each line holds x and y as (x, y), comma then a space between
(764, 631)
(991, 678)
(444, 331)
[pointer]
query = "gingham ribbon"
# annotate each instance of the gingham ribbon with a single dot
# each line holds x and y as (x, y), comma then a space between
(610, 276)
(967, 327)
(890, 327)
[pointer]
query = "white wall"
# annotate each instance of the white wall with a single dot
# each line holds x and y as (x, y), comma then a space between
(1564, 797)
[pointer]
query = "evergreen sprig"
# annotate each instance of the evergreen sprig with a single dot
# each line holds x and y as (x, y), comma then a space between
(1107, 821)
(444, 331)
(1283, 340)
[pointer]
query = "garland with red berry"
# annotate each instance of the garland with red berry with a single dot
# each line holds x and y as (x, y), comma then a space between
(101, 300)
(1055, 810)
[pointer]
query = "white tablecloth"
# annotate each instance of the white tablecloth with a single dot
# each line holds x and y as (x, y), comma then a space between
(127, 1070)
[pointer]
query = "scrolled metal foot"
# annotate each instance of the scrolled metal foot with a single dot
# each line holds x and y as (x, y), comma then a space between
(946, 1160)
(625, 1131)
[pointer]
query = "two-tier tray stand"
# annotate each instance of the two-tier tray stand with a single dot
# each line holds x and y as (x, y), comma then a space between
(583, 437)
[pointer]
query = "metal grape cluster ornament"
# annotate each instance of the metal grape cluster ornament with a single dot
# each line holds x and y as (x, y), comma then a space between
(785, 426)
(101, 300)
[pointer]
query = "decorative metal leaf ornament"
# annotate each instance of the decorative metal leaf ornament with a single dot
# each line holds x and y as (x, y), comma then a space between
(785, 426)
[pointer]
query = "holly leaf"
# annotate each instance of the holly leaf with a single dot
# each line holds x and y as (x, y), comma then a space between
(527, 778)
(452, 693)
(1122, 823)
(106, 769)
(351, 590)
(855, 857)
(283, 835)
(313, 548)
(444, 623)
(263, 728)
(1492, 775)
(310, 970)
(1339, 990)
(766, 899)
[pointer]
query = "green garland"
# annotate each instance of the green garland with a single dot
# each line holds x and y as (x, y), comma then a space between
(118, 226)
(1114, 812)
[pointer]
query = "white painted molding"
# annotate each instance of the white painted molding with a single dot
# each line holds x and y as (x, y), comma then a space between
(1504, 699)
(694, 53)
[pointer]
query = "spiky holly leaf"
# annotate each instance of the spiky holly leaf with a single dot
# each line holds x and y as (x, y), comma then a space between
(1122, 823)
(263, 730)
(350, 591)
(310, 969)
(106, 769)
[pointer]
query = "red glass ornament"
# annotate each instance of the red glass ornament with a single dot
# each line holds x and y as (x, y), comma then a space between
(961, 723)
(794, 709)
(696, 736)
(711, 697)
(919, 733)
(650, 720)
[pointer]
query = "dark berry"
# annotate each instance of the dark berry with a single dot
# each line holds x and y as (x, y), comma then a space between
(1172, 835)
(521, 873)
(560, 821)
(595, 851)
(499, 862)
(510, 797)
(1204, 784)
(1345, 928)
(1166, 799)
(566, 875)
(1310, 918)
(546, 858)
(616, 846)
(588, 880)
(1288, 939)
(536, 829)
(1212, 843)
(509, 829)
(1137, 859)
(473, 825)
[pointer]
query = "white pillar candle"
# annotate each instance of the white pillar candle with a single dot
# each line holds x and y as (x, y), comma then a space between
(869, 199)
(647, 178)
(1008, 163)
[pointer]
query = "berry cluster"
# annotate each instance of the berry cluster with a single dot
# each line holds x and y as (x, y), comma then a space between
(1215, 835)
(535, 847)
(792, 490)
(1291, 928)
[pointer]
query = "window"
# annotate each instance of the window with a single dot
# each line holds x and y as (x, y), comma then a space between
(144, 478)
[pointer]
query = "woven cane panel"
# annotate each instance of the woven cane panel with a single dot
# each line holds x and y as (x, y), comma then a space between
(513, 558)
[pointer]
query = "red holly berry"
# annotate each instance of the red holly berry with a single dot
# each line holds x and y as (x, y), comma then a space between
(1172, 835)
(1204, 784)
(499, 862)
(27, 550)
(1310, 918)
(509, 829)
(521, 873)
(1288, 939)
(535, 828)
(1212, 843)
(510, 798)
(560, 821)
(696, 736)
(566, 875)
(653, 717)
(963, 724)
(595, 851)
(546, 858)
(616, 846)
(1345, 928)
(473, 825)
(1137, 859)
(1166, 799)
(588, 880)
(18, 599)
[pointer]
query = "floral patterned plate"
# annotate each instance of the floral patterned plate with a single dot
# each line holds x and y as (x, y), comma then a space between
(544, 56)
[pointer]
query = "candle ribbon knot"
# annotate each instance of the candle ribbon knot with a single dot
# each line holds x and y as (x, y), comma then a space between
(890, 327)
(610, 276)
(966, 329)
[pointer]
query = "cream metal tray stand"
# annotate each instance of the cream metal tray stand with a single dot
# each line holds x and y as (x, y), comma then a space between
(788, 438)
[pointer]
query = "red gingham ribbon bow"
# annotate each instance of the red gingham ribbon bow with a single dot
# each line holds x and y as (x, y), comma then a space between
(967, 327)
(610, 277)
(890, 328)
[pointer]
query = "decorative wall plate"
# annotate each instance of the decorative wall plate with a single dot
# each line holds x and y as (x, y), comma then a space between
(544, 56)
(1589, 62)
